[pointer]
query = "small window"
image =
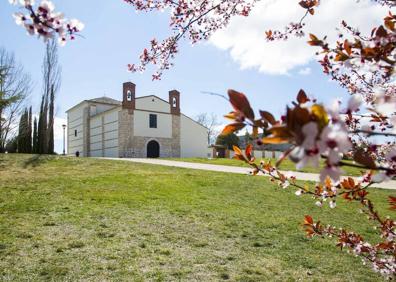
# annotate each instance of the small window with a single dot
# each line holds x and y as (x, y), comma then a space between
(75, 133)
(174, 102)
(129, 96)
(153, 121)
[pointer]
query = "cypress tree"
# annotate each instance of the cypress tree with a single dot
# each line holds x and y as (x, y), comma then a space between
(35, 137)
(20, 133)
(29, 132)
(39, 127)
(44, 148)
(51, 122)
(23, 138)
(42, 126)
(26, 138)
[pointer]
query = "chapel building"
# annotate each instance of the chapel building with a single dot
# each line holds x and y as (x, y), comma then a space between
(136, 127)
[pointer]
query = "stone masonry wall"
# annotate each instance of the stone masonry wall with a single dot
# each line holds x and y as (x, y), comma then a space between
(175, 144)
(125, 133)
(140, 146)
(131, 146)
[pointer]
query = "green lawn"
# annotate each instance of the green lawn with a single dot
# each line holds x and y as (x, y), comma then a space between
(286, 164)
(68, 219)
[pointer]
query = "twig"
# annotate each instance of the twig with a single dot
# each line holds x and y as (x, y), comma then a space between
(215, 94)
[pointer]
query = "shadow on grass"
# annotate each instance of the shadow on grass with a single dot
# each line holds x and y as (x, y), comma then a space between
(2, 163)
(37, 160)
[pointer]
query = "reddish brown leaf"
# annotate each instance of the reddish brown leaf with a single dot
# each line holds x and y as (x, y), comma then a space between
(341, 56)
(281, 176)
(275, 140)
(231, 115)
(347, 197)
(302, 97)
(364, 158)
(351, 182)
(392, 202)
(260, 123)
(381, 31)
(347, 47)
(390, 24)
(314, 40)
(248, 151)
(241, 103)
(231, 128)
(308, 220)
(281, 131)
(239, 157)
(268, 117)
(236, 150)
(307, 4)
(369, 52)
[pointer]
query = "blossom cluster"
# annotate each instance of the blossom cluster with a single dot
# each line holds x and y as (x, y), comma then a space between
(380, 256)
(362, 64)
(195, 20)
(294, 28)
(327, 132)
(44, 22)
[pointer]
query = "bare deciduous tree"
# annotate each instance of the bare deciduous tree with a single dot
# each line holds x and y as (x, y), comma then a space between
(15, 86)
(211, 122)
(51, 83)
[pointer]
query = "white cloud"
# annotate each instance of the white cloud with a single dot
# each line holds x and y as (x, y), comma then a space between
(245, 37)
(305, 71)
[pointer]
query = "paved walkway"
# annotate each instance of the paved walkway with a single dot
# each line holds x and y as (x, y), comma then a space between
(234, 169)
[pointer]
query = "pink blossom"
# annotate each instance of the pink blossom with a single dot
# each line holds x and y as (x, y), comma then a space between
(334, 142)
(308, 152)
(299, 192)
(44, 22)
(354, 103)
(332, 204)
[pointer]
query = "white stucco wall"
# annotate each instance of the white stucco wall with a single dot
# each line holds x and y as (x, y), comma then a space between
(75, 122)
(96, 108)
(152, 103)
(142, 128)
(193, 138)
(104, 134)
(95, 136)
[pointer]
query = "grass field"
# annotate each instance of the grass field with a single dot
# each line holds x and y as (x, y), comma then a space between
(286, 165)
(68, 219)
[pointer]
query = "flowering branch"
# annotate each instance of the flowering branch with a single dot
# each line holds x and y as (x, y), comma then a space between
(45, 22)
(318, 132)
(195, 20)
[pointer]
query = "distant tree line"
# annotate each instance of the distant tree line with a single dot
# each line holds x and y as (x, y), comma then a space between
(15, 86)
(34, 134)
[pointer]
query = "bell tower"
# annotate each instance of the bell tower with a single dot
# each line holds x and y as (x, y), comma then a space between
(129, 91)
(174, 101)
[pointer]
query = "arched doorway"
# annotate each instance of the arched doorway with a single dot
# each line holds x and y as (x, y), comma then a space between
(153, 149)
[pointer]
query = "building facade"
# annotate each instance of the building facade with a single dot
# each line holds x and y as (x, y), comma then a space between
(136, 127)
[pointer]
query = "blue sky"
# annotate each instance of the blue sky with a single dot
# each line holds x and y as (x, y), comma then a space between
(115, 35)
